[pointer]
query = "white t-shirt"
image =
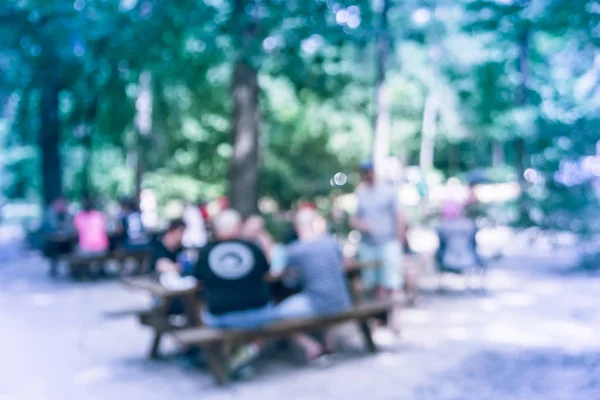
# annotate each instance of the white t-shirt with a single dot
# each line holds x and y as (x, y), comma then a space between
(195, 231)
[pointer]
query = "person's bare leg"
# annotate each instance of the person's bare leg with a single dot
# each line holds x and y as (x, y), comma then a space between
(395, 314)
(392, 319)
(411, 278)
(329, 339)
(311, 348)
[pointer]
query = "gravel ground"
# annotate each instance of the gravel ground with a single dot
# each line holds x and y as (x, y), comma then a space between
(534, 335)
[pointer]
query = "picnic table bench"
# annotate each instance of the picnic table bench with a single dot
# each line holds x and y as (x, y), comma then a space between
(217, 343)
(80, 264)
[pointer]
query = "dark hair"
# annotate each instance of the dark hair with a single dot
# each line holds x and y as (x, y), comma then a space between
(176, 224)
(366, 166)
(129, 204)
(87, 204)
(289, 235)
(58, 198)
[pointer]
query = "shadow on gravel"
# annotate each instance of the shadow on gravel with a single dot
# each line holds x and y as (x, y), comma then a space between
(525, 374)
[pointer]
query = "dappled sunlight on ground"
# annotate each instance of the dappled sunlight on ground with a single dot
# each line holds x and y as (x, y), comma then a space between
(61, 339)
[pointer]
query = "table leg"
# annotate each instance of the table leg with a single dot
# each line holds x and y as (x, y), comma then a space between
(53, 267)
(163, 309)
(191, 309)
(368, 338)
(217, 363)
(155, 346)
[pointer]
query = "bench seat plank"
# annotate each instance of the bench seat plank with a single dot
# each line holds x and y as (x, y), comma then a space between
(205, 335)
(119, 255)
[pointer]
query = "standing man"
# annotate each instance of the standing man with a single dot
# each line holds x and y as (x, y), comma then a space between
(381, 224)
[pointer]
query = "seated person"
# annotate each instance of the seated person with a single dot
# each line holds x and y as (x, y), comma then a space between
(91, 228)
(457, 251)
(316, 259)
(57, 225)
(166, 259)
(166, 252)
(132, 232)
(232, 272)
(254, 231)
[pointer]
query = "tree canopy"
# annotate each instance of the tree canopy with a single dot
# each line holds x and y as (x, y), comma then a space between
(251, 98)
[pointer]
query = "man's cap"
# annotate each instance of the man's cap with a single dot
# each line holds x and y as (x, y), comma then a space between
(366, 166)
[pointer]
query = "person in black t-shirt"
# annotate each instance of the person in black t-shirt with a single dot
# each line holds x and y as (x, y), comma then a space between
(232, 272)
(166, 251)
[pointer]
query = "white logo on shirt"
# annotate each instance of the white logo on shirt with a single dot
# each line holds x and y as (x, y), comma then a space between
(231, 260)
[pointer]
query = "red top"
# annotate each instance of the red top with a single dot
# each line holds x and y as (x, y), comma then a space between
(306, 205)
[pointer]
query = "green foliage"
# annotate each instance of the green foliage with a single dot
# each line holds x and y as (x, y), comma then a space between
(316, 62)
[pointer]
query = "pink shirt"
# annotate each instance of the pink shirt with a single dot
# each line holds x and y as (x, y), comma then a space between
(91, 227)
(452, 209)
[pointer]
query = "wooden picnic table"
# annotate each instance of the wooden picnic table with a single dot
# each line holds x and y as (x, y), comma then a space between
(158, 316)
(73, 236)
(150, 283)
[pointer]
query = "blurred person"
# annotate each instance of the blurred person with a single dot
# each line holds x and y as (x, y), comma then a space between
(289, 234)
(223, 203)
(148, 207)
(167, 259)
(90, 224)
(316, 261)
(457, 232)
(232, 271)
(166, 252)
(204, 210)
(453, 204)
(133, 233)
(473, 207)
(195, 233)
(277, 256)
(320, 224)
(254, 231)
(380, 221)
(457, 251)
(57, 219)
(57, 230)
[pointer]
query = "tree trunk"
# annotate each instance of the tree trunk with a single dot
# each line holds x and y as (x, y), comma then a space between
(453, 158)
(523, 100)
(245, 161)
(143, 124)
(49, 140)
(428, 131)
(383, 120)
(87, 142)
(244, 167)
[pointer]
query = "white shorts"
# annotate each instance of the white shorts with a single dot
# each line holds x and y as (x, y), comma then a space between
(389, 275)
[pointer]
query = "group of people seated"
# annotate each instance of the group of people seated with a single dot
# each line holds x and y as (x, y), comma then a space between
(89, 225)
(86, 233)
(233, 268)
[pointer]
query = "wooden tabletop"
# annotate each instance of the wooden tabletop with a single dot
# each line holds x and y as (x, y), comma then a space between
(153, 286)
